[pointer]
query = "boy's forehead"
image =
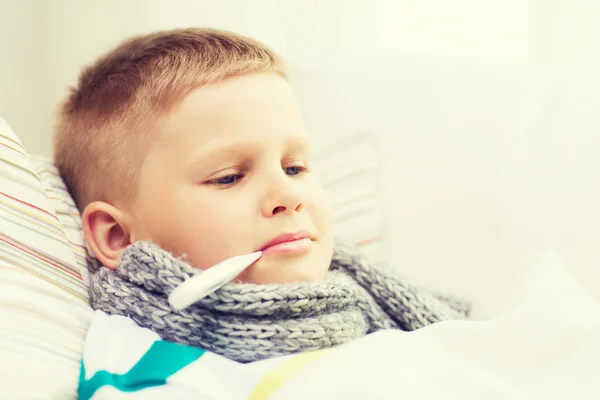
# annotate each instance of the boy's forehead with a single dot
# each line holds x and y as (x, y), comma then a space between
(241, 110)
(293, 141)
(239, 93)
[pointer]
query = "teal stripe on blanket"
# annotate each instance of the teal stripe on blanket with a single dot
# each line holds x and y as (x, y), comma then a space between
(161, 361)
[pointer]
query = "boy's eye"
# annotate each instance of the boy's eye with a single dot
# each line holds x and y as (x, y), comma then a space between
(227, 180)
(295, 170)
(230, 180)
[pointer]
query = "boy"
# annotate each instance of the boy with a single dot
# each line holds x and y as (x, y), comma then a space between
(184, 148)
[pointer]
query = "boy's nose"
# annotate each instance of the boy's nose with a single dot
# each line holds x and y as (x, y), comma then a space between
(282, 197)
(281, 209)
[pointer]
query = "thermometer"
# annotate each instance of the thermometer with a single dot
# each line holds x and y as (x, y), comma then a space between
(204, 283)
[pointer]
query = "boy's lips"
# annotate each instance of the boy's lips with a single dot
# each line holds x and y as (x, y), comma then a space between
(299, 242)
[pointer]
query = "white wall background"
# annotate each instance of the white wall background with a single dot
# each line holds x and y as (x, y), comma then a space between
(487, 111)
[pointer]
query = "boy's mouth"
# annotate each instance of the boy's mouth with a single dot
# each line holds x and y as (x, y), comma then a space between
(288, 243)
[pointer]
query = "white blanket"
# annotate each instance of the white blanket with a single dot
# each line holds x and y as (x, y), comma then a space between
(545, 346)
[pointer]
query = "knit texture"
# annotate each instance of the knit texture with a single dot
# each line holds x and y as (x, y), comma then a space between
(248, 322)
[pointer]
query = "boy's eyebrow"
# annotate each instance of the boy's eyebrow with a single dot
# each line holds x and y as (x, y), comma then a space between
(224, 148)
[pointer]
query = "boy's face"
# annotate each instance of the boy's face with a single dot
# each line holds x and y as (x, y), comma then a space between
(230, 172)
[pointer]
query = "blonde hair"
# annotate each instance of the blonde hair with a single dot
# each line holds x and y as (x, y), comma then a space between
(105, 124)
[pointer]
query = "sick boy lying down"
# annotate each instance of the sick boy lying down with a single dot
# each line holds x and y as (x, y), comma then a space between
(184, 148)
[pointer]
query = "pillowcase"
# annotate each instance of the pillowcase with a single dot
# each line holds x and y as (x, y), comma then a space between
(44, 310)
(66, 211)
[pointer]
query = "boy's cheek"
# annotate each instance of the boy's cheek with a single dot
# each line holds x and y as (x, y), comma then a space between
(322, 211)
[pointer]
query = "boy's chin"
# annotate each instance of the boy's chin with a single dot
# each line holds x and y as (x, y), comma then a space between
(298, 273)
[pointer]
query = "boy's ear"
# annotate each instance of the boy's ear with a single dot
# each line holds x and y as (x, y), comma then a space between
(107, 232)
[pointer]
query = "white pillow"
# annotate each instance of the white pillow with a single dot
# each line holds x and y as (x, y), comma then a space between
(348, 169)
(346, 136)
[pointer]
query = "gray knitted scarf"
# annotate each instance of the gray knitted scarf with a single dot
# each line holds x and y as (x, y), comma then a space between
(248, 322)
